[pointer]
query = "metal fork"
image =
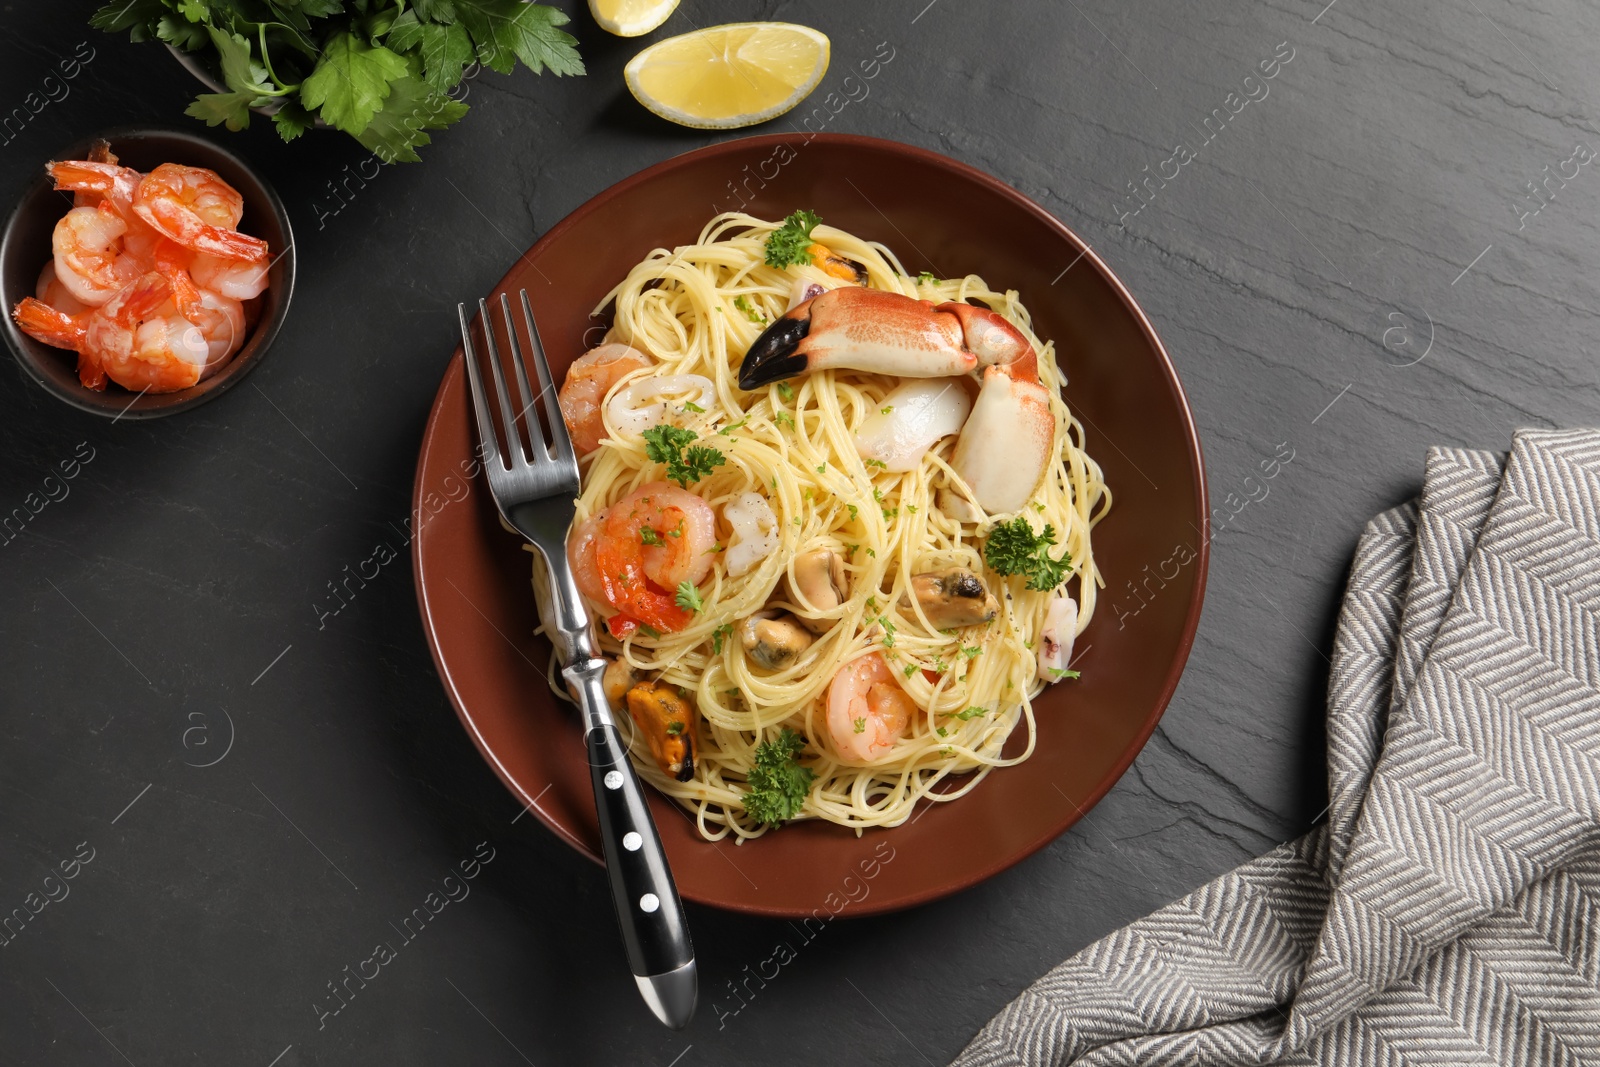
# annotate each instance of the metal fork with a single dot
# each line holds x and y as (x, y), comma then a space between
(534, 487)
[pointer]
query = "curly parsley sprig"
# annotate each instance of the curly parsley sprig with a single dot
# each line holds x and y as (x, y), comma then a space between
(686, 463)
(790, 242)
(778, 785)
(1013, 548)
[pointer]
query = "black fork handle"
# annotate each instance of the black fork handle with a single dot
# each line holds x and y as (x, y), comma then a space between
(655, 932)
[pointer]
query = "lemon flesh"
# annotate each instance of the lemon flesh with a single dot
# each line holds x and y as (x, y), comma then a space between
(630, 18)
(724, 77)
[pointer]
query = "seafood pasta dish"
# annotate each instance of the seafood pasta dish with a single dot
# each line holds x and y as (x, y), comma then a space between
(150, 282)
(837, 520)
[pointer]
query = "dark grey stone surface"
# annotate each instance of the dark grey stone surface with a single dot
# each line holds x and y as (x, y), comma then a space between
(1307, 269)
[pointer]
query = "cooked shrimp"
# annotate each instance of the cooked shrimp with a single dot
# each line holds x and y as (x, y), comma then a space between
(221, 325)
(588, 381)
(52, 292)
(168, 354)
(580, 554)
(196, 208)
(111, 188)
(104, 182)
(52, 325)
(655, 539)
(233, 278)
(55, 327)
(142, 342)
(867, 709)
(95, 332)
(89, 258)
(99, 152)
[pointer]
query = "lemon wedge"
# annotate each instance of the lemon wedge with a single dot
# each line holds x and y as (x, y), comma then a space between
(723, 77)
(631, 18)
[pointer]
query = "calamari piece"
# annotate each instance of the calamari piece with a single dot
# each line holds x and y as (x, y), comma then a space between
(755, 532)
(913, 418)
(644, 402)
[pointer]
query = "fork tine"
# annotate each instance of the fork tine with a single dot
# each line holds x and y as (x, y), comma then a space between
(540, 453)
(480, 403)
(558, 425)
(516, 452)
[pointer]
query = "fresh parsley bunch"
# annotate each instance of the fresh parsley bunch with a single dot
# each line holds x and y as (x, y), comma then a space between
(380, 70)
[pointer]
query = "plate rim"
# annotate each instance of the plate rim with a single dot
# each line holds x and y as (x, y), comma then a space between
(1190, 432)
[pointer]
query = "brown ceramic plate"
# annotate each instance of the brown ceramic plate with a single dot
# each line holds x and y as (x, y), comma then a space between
(941, 216)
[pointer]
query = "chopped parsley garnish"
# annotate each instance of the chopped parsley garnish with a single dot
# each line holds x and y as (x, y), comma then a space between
(941, 731)
(925, 278)
(970, 713)
(822, 468)
(648, 536)
(749, 312)
(666, 444)
(649, 631)
(732, 426)
(972, 651)
(786, 392)
(887, 409)
(1013, 548)
(854, 511)
(861, 725)
(783, 418)
(875, 463)
(911, 668)
(717, 635)
(777, 784)
(888, 631)
(688, 597)
(690, 405)
(1058, 675)
(789, 242)
(674, 728)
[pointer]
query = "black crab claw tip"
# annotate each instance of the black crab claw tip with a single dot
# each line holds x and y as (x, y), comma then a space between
(772, 356)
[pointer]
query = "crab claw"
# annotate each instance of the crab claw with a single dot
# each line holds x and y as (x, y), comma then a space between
(860, 329)
(1008, 440)
(1010, 437)
(1005, 446)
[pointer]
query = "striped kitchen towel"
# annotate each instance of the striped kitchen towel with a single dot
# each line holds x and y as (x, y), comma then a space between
(1448, 911)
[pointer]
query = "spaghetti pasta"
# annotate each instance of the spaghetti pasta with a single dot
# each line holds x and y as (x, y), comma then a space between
(695, 310)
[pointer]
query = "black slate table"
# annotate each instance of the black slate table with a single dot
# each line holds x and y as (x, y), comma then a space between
(1387, 244)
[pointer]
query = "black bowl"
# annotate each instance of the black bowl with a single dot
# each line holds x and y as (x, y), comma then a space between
(25, 246)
